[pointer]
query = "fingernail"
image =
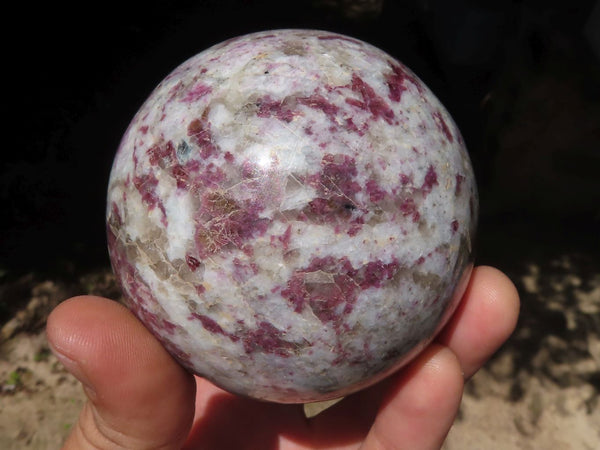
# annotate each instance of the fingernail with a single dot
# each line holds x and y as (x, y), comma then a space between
(74, 368)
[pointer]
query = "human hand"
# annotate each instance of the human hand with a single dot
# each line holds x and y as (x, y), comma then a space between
(139, 397)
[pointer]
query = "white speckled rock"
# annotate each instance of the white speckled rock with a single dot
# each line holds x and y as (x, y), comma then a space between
(291, 214)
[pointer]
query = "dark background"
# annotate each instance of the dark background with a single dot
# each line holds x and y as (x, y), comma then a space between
(520, 78)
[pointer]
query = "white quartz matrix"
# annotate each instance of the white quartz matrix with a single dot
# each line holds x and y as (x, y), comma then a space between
(291, 214)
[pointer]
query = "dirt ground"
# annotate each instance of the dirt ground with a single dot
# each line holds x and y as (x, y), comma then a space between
(39, 400)
(541, 390)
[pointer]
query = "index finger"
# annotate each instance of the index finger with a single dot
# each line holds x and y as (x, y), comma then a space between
(484, 320)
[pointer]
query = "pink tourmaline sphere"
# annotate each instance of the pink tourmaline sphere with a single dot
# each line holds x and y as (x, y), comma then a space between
(291, 214)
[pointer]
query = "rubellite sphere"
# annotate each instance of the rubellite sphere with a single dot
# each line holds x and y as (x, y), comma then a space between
(291, 214)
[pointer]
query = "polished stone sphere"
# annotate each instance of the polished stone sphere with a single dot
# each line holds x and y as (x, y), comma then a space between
(291, 213)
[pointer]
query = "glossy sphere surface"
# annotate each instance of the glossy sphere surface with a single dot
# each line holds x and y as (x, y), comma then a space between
(291, 214)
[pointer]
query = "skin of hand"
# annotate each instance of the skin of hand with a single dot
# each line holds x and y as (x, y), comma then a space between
(140, 398)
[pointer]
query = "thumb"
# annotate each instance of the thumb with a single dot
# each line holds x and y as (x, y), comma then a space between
(138, 396)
